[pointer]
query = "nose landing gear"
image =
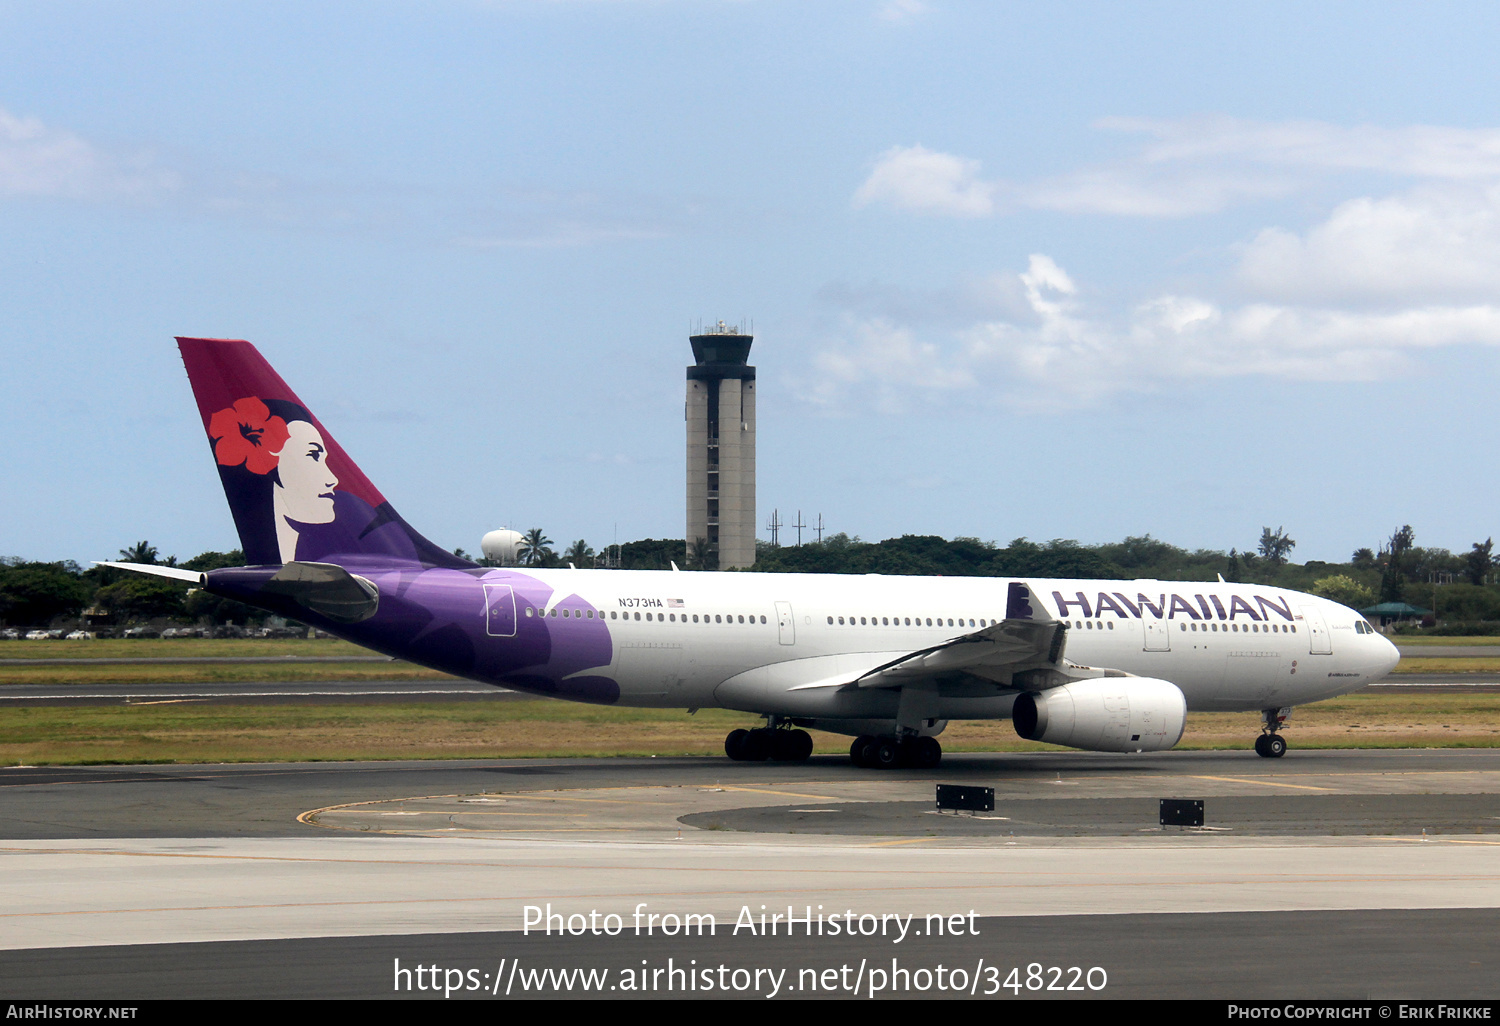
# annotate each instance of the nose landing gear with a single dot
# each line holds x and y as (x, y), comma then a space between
(1270, 744)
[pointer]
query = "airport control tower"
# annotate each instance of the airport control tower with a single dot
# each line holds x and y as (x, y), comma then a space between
(721, 448)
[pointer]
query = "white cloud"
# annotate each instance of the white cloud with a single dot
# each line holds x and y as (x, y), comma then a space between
(1421, 151)
(1187, 167)
(923, 180)
(1062, 356)
(1434, 242)
(37, 160)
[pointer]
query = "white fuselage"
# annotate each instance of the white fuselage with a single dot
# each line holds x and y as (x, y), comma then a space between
(749, 641)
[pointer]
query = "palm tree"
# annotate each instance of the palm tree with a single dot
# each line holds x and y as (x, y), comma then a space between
(580, 553)
(140, 552)
(700, 554)
(535, 547)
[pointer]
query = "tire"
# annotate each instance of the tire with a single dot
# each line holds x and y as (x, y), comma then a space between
(791, 745)
(926, 753)
(857, 751)
(734, 744)
(1260, 746)
(1275, 746)
(885, 753)
(757, 745)
(803, 746)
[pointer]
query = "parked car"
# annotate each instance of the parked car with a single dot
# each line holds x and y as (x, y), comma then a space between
(141, 632)
(37, 635)
(10, 634)
(80, 636)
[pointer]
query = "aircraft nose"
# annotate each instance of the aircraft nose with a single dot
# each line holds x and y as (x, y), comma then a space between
(1390, 657)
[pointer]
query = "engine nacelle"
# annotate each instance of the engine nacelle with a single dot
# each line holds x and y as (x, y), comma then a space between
(1104, 714)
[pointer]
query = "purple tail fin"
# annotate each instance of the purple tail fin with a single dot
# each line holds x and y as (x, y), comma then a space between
(294, 492)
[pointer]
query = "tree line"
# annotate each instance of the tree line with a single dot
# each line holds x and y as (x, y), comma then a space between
(1462, 586)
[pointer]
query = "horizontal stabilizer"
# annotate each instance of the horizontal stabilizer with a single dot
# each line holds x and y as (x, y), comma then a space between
(175, 573)
(327, 589)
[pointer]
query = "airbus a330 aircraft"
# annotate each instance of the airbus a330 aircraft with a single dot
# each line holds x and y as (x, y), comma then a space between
(1110, 666)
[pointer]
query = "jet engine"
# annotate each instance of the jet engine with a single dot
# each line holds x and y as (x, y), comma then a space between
(1104, 714)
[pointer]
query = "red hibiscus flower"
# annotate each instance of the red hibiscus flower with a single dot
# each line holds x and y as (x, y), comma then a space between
(247, 433)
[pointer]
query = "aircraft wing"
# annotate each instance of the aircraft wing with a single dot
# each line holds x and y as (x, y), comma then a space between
(1024, 651)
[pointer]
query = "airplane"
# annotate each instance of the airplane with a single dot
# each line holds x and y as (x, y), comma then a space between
(1106, 666)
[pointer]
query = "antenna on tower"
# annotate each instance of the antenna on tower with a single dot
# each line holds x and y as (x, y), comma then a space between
(819, 529)
(799, 525)
(774, 525)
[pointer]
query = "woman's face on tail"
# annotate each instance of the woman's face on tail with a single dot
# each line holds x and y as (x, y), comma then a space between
(307, 483)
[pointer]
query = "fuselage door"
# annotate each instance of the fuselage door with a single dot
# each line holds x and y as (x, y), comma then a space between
(1318, 640)
(1158, 638)
(785, 626)
(499, 611)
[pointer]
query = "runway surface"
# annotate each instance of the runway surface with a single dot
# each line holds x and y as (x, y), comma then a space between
(1324, 874)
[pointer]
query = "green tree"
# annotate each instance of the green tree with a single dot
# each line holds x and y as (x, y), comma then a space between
(700, 555)
(1275, 545)
(1344, 590)
(33, 594)
(1394, 557)
(535, 548)
(1480, 561)
(580, 553)
(140, 552)
(206, 561)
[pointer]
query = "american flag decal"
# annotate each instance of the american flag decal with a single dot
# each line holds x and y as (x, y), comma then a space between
(674, 603)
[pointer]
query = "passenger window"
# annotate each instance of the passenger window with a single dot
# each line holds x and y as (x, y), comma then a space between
(553, 613)
(1111, 625)
(762, 619)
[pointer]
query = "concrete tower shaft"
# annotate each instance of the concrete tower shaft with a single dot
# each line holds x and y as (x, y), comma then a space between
(720, 416)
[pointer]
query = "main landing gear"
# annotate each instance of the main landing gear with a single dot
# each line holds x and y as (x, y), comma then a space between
(896, 753)
(780, 744)
(1270, 744)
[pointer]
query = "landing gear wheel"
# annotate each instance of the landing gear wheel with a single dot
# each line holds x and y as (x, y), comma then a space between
(734, 744)
(886, 753)
(758, 745)
(1270, 746)
(926, 753)
(859, 753)
(791, 745)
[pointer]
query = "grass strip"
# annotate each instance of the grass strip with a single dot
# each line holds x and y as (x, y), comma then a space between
(189, 732)
(200, 648)
(208, 673)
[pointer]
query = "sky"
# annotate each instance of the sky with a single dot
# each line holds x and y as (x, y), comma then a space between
(1064, 270)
